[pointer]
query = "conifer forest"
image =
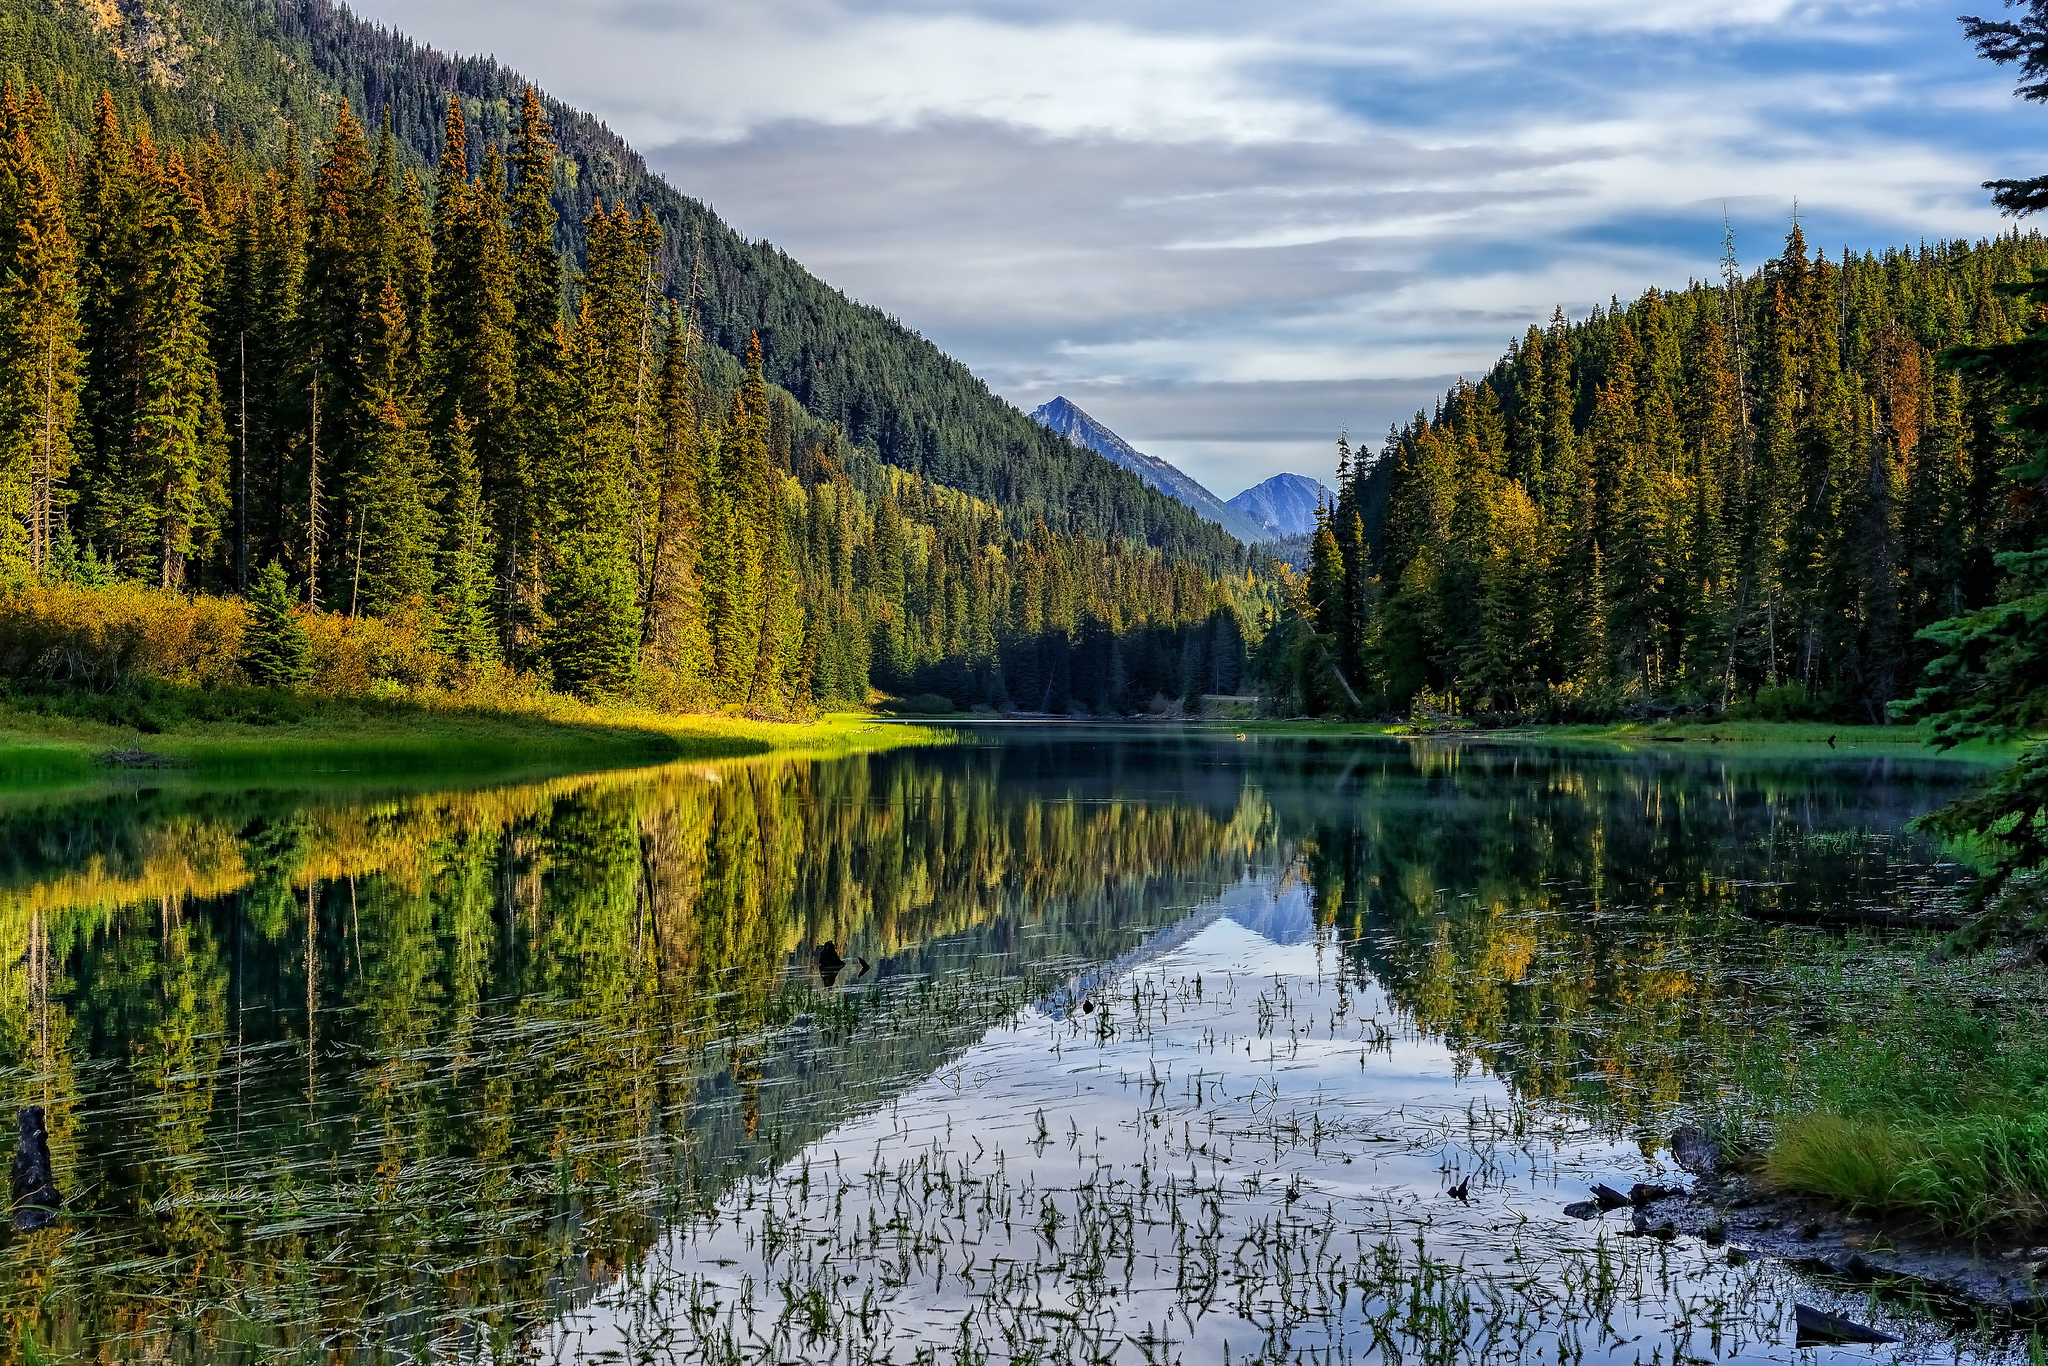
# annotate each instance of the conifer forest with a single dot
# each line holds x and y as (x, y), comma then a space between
(387, 367)
(1756, 491)
(570, 792)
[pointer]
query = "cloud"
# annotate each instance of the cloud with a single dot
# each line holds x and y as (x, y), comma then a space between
(666, 71)
(1229, 230)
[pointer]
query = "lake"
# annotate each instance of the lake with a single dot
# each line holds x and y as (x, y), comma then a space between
(1140, 1045)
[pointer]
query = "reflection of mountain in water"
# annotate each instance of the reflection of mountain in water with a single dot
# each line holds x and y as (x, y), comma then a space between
(430, 1015)
(1280, 911)
(503, 1036)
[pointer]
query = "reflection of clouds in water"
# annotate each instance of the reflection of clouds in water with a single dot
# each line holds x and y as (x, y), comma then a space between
(1232, 1154)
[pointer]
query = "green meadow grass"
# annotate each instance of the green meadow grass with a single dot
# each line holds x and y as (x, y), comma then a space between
(249, 732)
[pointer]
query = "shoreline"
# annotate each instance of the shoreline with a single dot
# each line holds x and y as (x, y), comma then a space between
(373, 738)
(1802, 735)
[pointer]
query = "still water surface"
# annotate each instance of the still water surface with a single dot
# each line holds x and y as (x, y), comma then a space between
(1149, 1047)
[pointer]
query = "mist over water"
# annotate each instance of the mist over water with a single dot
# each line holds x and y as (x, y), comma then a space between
(1148, 1046)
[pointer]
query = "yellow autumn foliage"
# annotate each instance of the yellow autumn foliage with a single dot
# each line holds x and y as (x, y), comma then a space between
(101, 637)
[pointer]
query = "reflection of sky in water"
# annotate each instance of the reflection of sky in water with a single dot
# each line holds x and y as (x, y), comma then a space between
(1243, 1079)
(449, 1058)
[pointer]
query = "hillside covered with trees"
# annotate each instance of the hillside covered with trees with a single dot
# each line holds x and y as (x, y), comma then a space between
(431, 372)
(1755, 492)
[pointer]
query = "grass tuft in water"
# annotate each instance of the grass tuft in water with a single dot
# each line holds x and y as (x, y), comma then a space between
(1912, 1089)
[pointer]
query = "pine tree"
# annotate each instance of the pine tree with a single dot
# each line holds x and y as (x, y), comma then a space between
(593, 601)
(591, 643)
(274, 362)
(673, 633)
(114, 261)
(1712, 503)
(178, 449)
(1514, 617)
(1991, 676)
(475, 362)
(534, 291)
(390, 495)
(275, 650)
(343, 290)
(40, 359)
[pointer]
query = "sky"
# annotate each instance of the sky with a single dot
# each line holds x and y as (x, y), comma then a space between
(1230, 231)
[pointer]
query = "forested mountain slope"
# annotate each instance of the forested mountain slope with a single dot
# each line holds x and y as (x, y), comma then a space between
(238, 356)
(1754, 491)
(244, 69)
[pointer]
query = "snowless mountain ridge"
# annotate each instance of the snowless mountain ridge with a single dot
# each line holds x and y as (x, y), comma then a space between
(1284, 505)
(1271, 514)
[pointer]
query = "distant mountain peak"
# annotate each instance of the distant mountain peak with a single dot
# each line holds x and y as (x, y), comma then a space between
(1282, 506)
(1064, 416)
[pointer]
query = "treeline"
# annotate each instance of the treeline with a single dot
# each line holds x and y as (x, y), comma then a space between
(1755, 492)
(369, 378)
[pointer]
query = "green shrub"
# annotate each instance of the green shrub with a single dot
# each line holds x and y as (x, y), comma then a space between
(1792, 702)
(1920, 1092)
(350, 657)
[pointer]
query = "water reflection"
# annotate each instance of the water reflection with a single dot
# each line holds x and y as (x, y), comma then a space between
(418, 1071)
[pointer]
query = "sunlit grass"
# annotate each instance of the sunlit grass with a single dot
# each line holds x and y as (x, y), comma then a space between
(253, 731)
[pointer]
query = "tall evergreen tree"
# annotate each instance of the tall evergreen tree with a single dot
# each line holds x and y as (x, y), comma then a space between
(463, 623)
(40, 359)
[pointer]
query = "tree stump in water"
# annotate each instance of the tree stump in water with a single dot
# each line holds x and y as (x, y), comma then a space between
(36, 1198)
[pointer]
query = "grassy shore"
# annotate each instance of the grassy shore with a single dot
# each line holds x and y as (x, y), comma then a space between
(1810, 735)
(1911, 1087)
(311, 735)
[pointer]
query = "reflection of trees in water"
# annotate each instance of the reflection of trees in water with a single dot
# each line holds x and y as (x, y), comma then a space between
(436, 1061)
(335, 1063)
(1578, 922)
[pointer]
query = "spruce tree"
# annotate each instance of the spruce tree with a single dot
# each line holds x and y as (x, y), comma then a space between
(275, 650)
(533, 285)
(593, 598)
(114, 258)
(40, 360)
(1990, 679)
(591, 643)
(672, 626)
(390, 493)
(275, 359)
(178, 451)
(475, 367)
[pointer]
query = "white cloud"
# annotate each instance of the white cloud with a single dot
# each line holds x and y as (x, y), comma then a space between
(719, 71)
(1203, 212)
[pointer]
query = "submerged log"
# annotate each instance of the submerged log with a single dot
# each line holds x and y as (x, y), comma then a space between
(1817, 1329)
(36, 1198)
